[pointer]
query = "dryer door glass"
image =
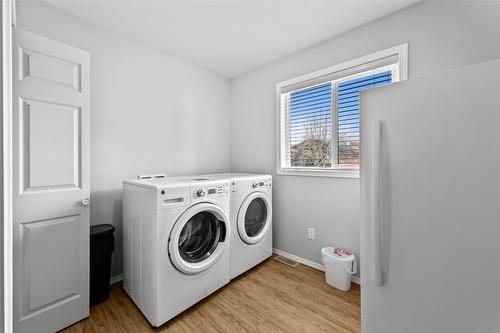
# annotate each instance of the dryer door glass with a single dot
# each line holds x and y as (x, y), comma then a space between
(200, 236)
(255, 217)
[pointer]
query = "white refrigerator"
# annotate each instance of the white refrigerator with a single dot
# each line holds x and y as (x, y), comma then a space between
(430, 197)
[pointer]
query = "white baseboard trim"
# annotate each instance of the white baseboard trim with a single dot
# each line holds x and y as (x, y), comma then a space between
(309, 263)
(116, 279)
(306, 262)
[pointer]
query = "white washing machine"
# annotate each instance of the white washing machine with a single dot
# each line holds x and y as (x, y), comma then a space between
(250, 214)
(176, 243)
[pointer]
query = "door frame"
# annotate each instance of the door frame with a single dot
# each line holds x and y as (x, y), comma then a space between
(8, 21)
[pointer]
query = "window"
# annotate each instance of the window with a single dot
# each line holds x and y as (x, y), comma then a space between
(319, 114)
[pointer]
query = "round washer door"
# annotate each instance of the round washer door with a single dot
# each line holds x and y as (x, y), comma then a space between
(198, 238)
(254, 218)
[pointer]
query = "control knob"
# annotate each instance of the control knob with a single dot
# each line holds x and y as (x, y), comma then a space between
(255, 185)
(201, 192)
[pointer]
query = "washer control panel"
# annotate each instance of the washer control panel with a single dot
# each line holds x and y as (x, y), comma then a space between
(203, 191)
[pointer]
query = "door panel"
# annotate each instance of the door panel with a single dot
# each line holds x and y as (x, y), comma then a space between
(51, 178)
(46, 67)
(51, 145)
(52, 280)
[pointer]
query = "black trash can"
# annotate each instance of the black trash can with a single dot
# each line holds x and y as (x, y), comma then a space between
(102, 244)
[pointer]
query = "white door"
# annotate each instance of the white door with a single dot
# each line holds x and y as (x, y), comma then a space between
(437, 242)
(51, 183)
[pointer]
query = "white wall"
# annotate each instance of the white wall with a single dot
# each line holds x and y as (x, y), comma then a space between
(441, 36)
(150, 112)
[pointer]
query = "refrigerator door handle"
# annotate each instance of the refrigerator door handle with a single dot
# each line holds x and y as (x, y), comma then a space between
(375, 204)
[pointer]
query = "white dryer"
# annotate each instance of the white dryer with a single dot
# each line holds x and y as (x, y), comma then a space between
(176, 243)
(251, 219)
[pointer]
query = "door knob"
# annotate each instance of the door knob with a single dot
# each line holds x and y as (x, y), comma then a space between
(85, 202)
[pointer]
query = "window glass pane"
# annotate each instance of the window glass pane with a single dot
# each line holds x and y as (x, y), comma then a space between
(255, 217)
(311, 126)
(348, 113)
(199, 237)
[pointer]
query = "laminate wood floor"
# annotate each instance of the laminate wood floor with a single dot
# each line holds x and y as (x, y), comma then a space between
(272, 297)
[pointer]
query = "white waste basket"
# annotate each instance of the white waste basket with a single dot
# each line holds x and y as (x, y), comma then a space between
(340, 264)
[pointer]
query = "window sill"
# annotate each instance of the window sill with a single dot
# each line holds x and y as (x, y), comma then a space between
(333, 173)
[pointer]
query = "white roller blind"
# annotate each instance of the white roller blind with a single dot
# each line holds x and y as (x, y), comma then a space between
(310, 134)
(320, 123)
(348, 93)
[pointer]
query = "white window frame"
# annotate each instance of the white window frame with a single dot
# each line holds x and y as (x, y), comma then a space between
(347, 68)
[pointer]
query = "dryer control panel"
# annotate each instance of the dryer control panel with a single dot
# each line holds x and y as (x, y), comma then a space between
(262, 183)
(245, 186)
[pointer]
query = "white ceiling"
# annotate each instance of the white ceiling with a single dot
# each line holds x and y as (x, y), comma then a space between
(230, 37)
